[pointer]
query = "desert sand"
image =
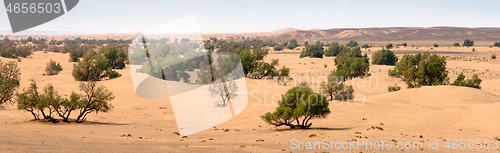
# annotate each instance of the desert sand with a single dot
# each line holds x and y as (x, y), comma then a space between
(142, 125)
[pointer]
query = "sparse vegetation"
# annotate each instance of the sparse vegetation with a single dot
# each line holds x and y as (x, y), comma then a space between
(436, 45)
(393, 88)
(493, 56)
(53, 68)
(365, 46)
(93, 67)
(404, 44)
(421, 70)
(351, 64)
(10, 76)
(95, 99)
(456, 44)
(474, 82)
(352, 43)
(297, 107)
(337, 89)
(312, 51)
(384, 57)
(388, 46)
(468, 43)
(334, 49)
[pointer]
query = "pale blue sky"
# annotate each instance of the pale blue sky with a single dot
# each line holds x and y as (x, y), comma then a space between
(229, 16)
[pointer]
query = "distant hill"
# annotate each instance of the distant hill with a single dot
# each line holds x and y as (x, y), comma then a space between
(392, 33)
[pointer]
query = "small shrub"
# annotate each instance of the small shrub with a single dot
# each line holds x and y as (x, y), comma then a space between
(337, 89)
(473, 49)
(365, 46)
(474, 82)
(388, 46)
(404, 44)
(436, 45)
(393, 88)
(19, 60)
(53, 68)
(74, 59)
(456, 44)
(493, 56)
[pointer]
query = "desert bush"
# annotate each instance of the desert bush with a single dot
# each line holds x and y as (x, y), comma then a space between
(351, 64)
(468, 43)
(292, 44)
(336, 89)
(365, 46)
(436, 45)
(297, 107)
(93, 67)
(474, 82)
(493, 56)
(456, 44)
(116, 58)
(352, 43)
(384, 57)
(94, 100)
(53, 68)
(279, 47)
(388, 46)
(10, 76)
(421, 70)
(333, 49)
(312, 51)
(23, 51)
(404, 44)
(473, 49)
(393, 88)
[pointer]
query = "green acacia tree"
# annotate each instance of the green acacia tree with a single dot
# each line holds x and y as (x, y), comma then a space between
(384, 57)
(10, 76)
(94, 100)
(474, 82)
(351, 64)
(337, 89)
(297, 107)
(421, 70)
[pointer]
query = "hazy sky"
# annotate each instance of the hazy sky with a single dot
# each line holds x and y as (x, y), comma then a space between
(229, 16)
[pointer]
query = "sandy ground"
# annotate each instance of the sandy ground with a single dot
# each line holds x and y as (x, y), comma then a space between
(426, 114)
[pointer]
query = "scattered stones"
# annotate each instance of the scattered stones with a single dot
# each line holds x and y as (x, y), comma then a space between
(185, 137)
(163, 107)
(364, 119)
(375, 127)
(159, 129)
(176, 133)
(226, 130)
(260, 140)
(242, 146)
(211, 139)
(236, 130)
(381, 123)
(203, 141)
(127, 135)
(357, 132)
(283, 150)
(312, 135)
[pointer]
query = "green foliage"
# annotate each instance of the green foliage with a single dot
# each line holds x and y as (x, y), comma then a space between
(421, 70)
(365, 46)
(278, 47)
(473, 49)
(74, 59)
(436, 45)
(393, 88)
(384, 57)
(468, 43)
(496, 44)
(352, 43)
(388, 46)
(10, 76)
(334, 49)
(474, 82)
(404, 44)
(337, 89)
(299, 105)
(351, 64)
(53, 68)
(456, 44)
(312, 51)
(292, 44)
(116, 58)
(93, 100)
(93, 67)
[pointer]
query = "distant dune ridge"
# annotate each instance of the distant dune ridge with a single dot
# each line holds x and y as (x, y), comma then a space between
(393, 33)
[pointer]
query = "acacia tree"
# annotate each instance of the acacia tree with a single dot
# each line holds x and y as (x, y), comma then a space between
(384, 57)
(421, 70)
(10, 77)
(53, 68)
(94, 100)
(300, 104)
(335, 88)
(351, 64)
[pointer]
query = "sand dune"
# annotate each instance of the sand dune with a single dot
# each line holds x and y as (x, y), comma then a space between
(440, 112)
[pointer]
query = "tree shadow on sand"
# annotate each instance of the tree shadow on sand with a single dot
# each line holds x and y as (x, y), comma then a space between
(315, 128)
(61, 122)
